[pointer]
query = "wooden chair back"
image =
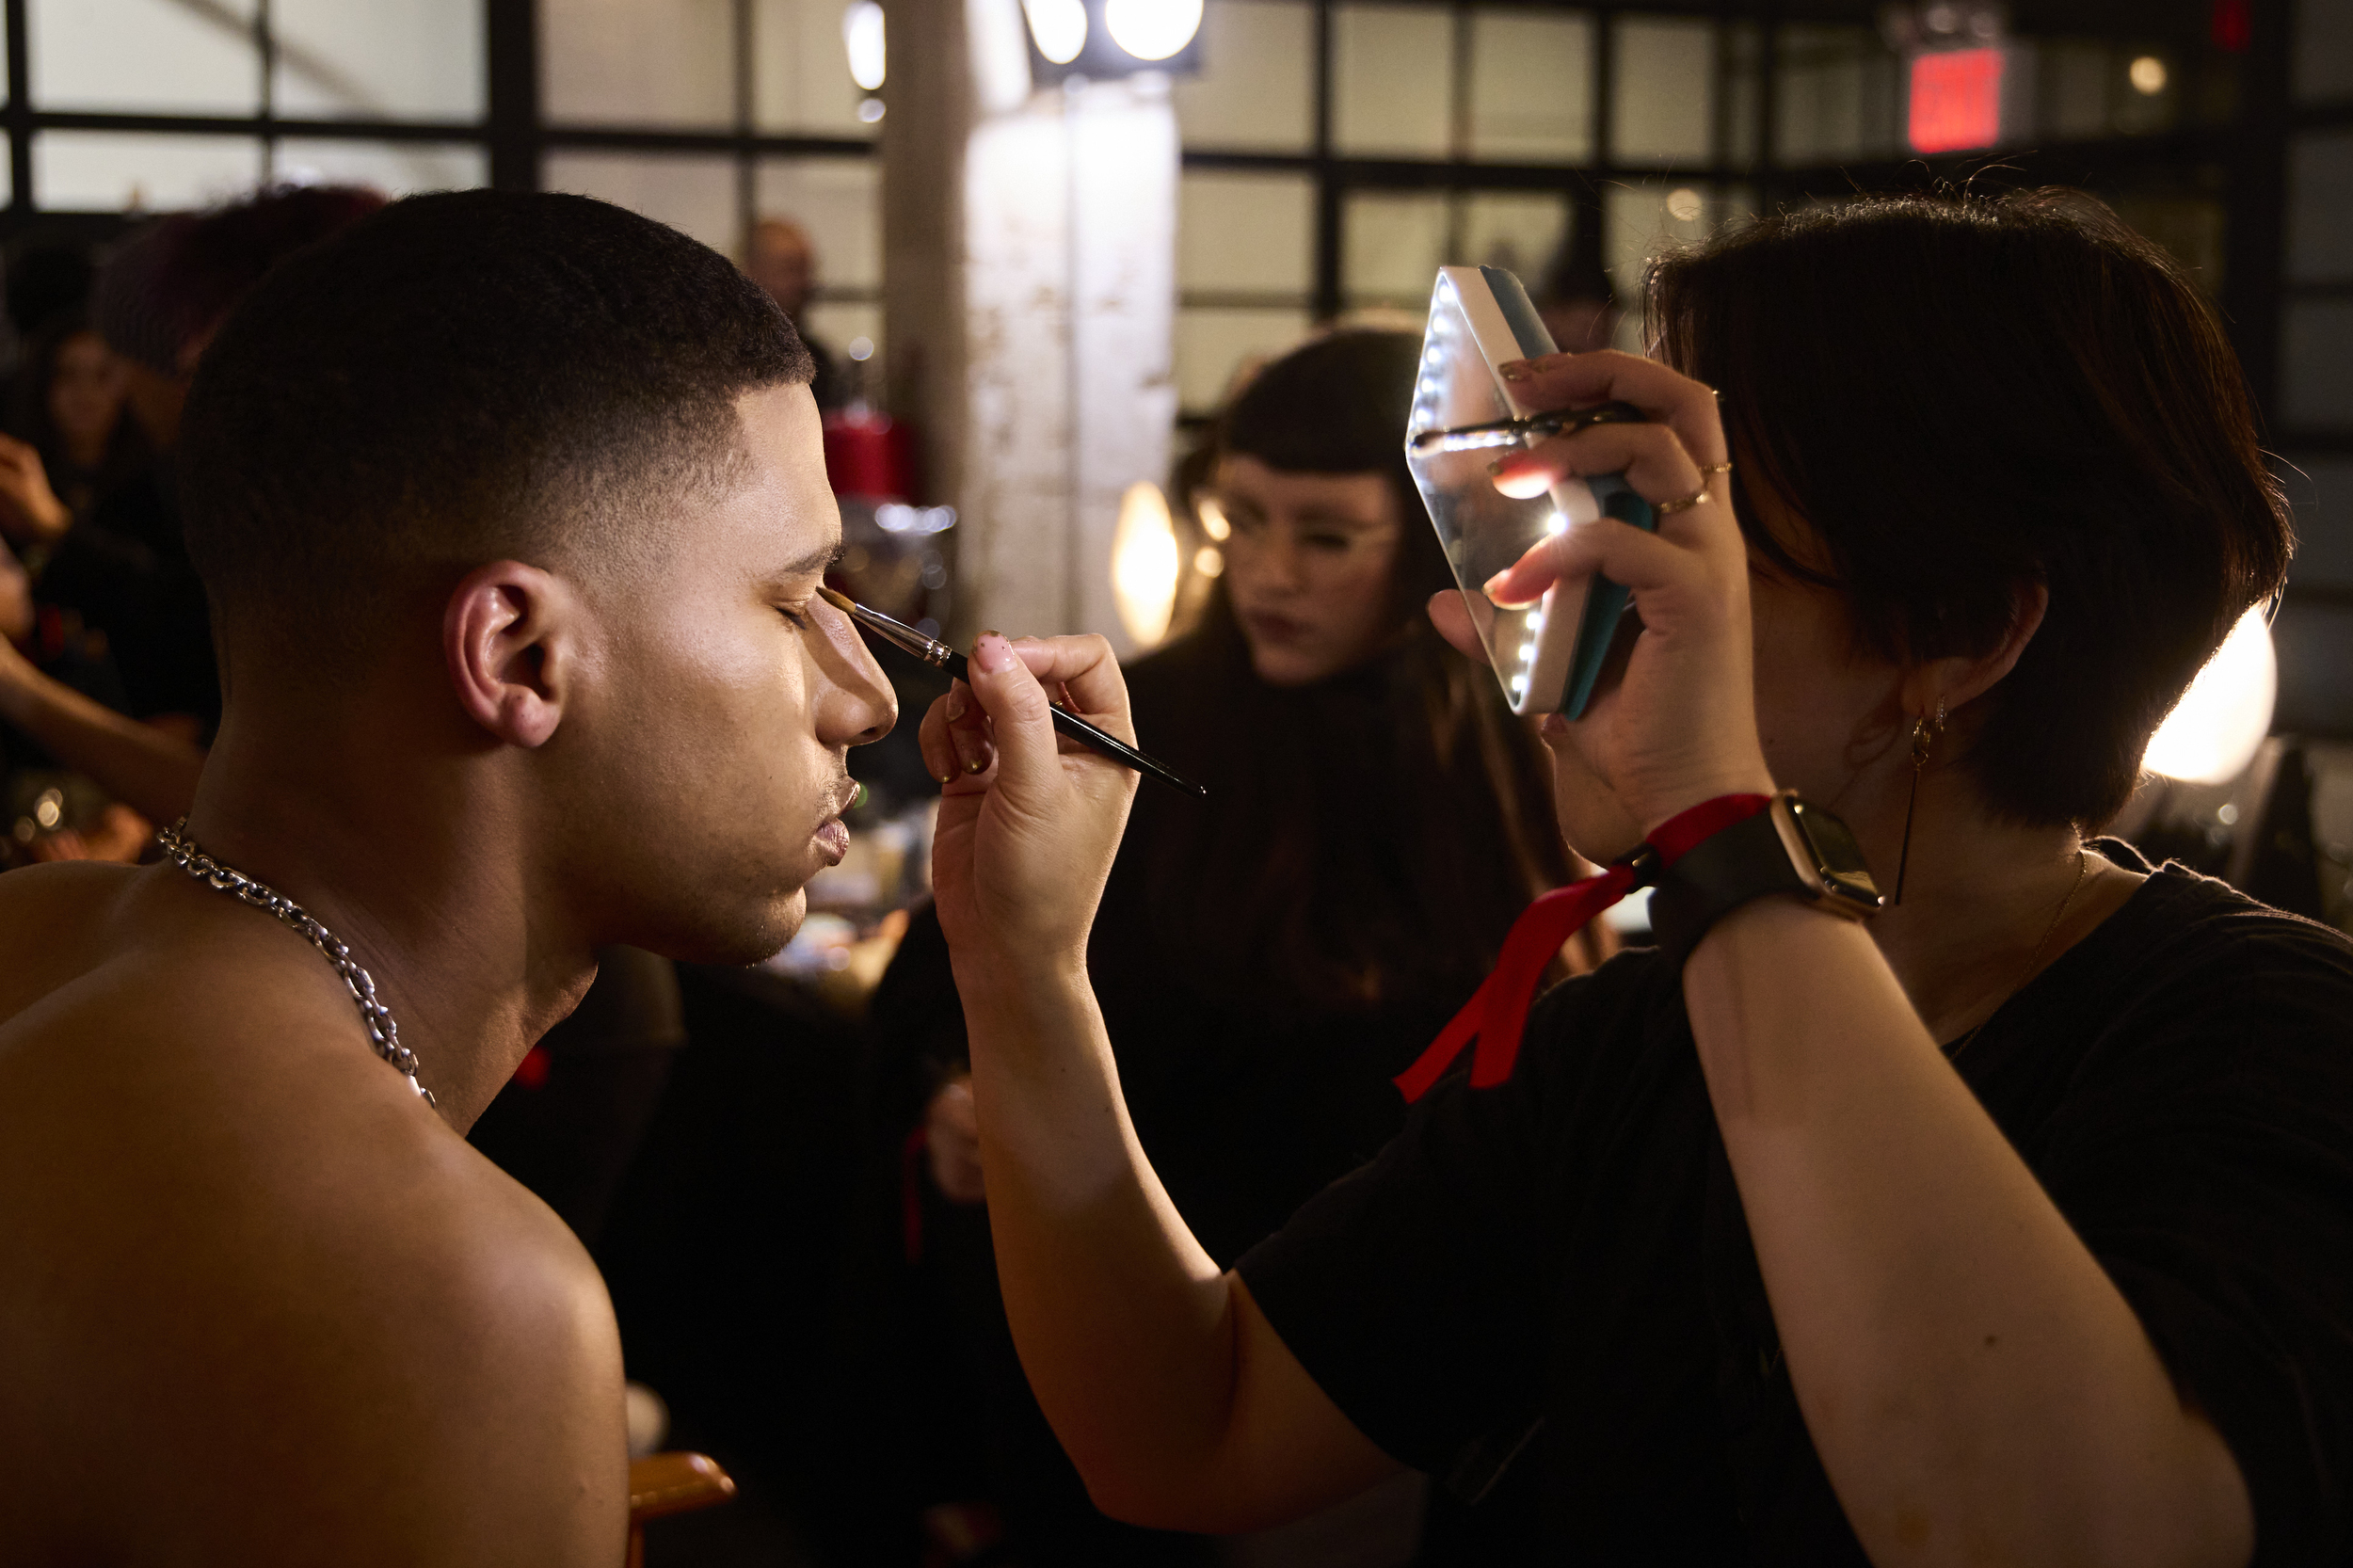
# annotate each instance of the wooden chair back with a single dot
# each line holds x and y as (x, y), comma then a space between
(661, 1484)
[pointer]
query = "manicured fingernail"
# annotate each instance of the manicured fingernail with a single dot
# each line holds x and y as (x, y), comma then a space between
(1527, 370)
(955, 702)
(1497, 589)
(946, 779)
(993, 653)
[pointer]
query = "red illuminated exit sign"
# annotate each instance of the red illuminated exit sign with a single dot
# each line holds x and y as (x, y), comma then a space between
(1956, 100)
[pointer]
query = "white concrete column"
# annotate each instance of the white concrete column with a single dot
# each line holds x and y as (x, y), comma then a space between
(1030, 291)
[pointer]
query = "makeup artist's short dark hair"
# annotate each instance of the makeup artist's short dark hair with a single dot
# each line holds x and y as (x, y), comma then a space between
(1963, 394)
(463, 376)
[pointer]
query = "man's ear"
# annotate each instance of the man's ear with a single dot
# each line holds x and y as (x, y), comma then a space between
(511, 638)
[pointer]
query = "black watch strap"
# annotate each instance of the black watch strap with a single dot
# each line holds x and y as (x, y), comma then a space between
(1742, 863)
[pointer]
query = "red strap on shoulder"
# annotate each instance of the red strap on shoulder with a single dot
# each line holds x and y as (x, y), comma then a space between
(1496, 1014)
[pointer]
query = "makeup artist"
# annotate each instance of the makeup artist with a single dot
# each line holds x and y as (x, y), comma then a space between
(1268, 957)
(2013, 1224)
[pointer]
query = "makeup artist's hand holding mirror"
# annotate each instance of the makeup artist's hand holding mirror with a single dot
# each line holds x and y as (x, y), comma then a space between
(1028, 820)
(1678, 726)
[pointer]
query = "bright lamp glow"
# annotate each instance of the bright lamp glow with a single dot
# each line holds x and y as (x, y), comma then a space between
(1152, 29)
(2220, 723)
(2147, 74)
(1144, 563)
(1059, 28)
(862, 37)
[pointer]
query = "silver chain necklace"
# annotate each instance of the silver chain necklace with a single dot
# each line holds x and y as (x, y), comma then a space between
(383, 1033)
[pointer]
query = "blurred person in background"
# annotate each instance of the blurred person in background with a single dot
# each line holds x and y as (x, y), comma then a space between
(779, 256)
(46, 278)
(1270, 957)
(159, 301)
(48, 812)
(124, 571)
(72, 444)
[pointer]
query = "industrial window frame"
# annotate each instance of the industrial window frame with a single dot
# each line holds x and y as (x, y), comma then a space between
(2249, 154)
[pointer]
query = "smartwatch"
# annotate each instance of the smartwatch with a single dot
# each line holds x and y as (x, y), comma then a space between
(1790, 847)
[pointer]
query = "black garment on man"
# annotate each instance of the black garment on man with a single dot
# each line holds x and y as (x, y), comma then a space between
(1566, 1255)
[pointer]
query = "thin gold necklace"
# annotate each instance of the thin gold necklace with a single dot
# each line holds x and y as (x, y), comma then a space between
(2034, 962)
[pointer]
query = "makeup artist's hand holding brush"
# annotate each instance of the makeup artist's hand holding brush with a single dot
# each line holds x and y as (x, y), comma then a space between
(1115, 1308)
(1029, 821)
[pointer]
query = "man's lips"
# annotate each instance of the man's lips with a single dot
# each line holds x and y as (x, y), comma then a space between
(833, 838)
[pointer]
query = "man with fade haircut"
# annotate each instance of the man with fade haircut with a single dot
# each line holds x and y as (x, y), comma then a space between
(512, 514)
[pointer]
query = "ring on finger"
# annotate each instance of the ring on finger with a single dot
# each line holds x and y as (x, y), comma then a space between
(1668, 508)
(1715, 468)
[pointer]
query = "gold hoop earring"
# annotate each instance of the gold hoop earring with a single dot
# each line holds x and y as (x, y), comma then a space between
(1924, 734)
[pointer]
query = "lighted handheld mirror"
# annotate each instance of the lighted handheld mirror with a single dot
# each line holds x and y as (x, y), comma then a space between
(1546, 655)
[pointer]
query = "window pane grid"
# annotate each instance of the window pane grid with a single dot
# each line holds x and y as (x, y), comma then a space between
(679, 107)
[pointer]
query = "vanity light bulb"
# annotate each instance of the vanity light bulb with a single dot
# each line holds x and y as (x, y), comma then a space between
(1152, 29)
(1555, 523)
(862, 40)
(1059, 27)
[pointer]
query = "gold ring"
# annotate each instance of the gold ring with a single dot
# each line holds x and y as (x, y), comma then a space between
(1716, 467)
(1668, 508)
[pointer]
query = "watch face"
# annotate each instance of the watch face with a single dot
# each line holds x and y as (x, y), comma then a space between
(1836, 855)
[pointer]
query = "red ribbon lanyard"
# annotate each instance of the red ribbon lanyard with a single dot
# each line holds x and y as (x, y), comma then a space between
(1497, 1012)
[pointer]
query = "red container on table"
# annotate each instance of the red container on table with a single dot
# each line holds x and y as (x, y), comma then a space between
(869, 455)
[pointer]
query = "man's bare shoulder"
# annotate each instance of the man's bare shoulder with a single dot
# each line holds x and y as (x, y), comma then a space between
(240, 1258)
(49, 916)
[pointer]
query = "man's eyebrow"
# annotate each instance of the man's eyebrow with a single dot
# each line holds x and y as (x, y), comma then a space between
(817, 562)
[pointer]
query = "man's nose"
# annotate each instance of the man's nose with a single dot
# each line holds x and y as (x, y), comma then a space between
(855, 705)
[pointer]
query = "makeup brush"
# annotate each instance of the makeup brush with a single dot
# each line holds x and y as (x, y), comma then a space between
(1523, 432)
(940, 656)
